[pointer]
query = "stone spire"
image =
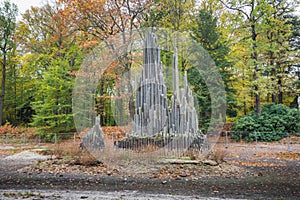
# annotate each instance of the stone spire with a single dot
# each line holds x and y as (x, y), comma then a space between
(152, 113)
(151, 100)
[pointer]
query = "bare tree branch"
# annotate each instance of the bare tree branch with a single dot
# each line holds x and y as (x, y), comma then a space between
(239, 9)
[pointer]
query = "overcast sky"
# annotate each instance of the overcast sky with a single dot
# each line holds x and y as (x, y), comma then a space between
(23, 5)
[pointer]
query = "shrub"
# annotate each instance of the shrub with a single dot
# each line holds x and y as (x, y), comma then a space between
(273, 124)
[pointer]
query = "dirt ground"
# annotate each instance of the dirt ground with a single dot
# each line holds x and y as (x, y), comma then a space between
(249, 171)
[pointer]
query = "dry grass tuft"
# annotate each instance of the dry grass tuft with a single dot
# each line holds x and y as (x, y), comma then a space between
(66, 149)
(71, 152)
(218, 155)
(85, 158)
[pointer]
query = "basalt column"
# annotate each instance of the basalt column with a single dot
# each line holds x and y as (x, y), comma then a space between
(151, 104)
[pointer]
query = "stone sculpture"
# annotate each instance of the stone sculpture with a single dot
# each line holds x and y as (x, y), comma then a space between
(94, 139)
(153, 115)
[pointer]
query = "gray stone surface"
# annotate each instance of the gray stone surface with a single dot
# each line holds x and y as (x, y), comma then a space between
(26, 157)
(153, 115)
(94, 139)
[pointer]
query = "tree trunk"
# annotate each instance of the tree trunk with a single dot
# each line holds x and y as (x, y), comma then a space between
(274, 98)
(256, 89)
(255, 58)
(280, 95)
(3, 87)
(273, 74)
(272, 64)
(245, 106)
(257, 103)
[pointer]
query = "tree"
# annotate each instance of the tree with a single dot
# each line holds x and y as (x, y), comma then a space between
(207, 34)
(277, 31)
(98, 21)
(53, 97)
(8, 13)
(262, 33)
(252, 11)
(51, 60)
(174, 14)
(294, 42)
(12, 97)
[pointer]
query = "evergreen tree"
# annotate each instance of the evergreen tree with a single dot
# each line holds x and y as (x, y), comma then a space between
(206, 33)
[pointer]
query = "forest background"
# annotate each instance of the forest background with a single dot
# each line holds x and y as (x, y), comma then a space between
(255, 45)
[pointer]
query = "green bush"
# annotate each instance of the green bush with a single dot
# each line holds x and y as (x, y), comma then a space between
(273, 124)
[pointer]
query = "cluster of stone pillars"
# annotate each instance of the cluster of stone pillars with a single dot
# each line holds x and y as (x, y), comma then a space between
(153, 115)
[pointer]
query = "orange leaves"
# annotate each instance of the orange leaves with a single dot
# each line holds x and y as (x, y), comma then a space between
(102, 18)
(87, 17)
(45, 26)
(9, 129)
